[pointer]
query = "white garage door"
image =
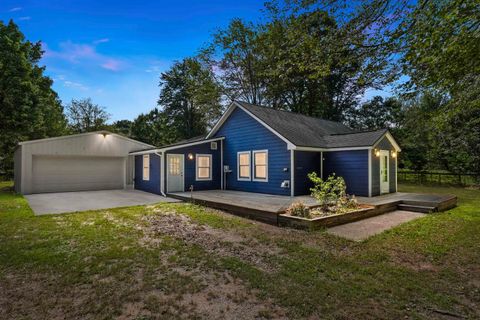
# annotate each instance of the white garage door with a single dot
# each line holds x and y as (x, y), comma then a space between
(59, 174)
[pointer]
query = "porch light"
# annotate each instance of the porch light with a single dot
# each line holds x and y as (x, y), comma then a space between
(190, 156)
(377, 152)
(394, 154)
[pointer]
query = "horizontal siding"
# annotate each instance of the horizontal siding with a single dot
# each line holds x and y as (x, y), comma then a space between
(190, 166)
(152, 185)
(243, 133)
(352, 166)
(305, 162)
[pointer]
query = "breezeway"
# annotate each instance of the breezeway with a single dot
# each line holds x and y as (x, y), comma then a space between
(64, 202)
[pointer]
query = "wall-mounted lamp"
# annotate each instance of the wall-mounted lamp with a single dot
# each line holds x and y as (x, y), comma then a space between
(394, 154)
(377, 152)
(190, 156)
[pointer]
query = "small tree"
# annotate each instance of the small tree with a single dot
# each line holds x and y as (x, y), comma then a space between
(329, 193)
(86, 116)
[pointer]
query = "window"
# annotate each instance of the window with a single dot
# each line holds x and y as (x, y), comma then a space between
(204, 167)
(243, 165)
(174, 166)
(146, 167)
(260, 165)
(213, 146)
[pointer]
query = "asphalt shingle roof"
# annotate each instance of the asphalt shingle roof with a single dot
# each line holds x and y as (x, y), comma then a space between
(308, 131)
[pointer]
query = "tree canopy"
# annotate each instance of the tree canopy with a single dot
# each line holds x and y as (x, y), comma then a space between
(29, 108)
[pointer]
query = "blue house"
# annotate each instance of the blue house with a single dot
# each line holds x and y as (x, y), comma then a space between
(259, 149)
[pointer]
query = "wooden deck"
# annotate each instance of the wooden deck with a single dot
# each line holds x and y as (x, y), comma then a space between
(266, 208)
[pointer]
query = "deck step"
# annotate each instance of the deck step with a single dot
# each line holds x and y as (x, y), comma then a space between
(416, 208)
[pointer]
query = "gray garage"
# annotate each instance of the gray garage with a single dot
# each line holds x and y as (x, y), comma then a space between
(82, 162)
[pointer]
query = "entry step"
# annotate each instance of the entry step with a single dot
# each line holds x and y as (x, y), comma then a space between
(416, 208)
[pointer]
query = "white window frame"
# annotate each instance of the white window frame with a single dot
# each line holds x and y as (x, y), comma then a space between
(146, 165)
(253, 166)
(210, 168)
(249, 164)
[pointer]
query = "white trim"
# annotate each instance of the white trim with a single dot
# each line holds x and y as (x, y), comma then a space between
(162, 173)
(396, 172)
(321, 165)
(177, 146)
(217, 126)
(390, 138)
(213, 143)
(182, 171)
(138, 153)
(292, 173)
(146, 177)
(384, 153)
(369, 173)
(253, 165)
(249, 164)
(85, 134)
(209, 169)
(222, 119)
(222, 174)
(315, 149)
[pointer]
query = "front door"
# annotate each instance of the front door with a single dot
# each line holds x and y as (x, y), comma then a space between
(384, 171)
(175, 173)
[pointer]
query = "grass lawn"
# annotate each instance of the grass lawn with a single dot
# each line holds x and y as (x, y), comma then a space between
(184, 261)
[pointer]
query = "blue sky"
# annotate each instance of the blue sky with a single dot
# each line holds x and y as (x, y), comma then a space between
(114, 51)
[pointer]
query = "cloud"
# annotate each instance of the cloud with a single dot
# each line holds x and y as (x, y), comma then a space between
(103, 40)
(24, 18)
(15, 9)
(76, 85)
(85, 54)
(111, 64)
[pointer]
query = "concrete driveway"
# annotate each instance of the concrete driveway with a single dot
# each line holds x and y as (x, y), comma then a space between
(48, 203)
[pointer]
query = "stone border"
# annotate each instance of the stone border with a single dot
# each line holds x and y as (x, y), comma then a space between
(333, 220)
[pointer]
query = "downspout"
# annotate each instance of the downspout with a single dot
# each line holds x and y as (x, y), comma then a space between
(161, 172)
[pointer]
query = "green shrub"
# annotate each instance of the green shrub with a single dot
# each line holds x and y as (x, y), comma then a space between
(331, 193)
(298, 209)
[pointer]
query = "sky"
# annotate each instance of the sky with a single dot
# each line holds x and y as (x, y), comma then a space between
(114, 51)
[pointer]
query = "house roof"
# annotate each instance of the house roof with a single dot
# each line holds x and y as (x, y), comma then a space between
(304, 131)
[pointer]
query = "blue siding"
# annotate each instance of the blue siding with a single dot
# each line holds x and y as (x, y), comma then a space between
(305, 162)
(190, 178)
(152, 185)
(352, 166)
(243, 133)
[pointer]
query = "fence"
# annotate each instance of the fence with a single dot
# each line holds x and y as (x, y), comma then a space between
(438, 177)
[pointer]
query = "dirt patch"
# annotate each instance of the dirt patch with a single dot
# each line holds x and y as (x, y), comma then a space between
(217, 241)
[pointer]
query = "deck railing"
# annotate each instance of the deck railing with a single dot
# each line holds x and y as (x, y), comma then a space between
(438, 177)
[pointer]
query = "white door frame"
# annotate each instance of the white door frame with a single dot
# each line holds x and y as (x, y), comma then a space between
(384, 185)
(182, 169)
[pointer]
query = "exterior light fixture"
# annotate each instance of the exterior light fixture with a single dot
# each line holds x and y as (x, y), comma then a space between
(377, 152)
(394, 154)
(190, 156)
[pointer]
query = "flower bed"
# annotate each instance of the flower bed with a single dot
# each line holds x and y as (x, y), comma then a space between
(327, 219)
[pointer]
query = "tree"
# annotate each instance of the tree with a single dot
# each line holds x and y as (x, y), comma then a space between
(29, 108)
(441, 41)
(85, 116)
(153, 128)
(190, 98)
(377, 113)
(123, 127)
(309, 56)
